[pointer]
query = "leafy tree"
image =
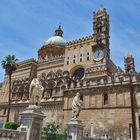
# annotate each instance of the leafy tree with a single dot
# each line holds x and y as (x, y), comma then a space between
(9, 64)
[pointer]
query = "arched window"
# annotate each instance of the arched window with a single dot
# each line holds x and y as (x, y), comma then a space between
(74, 59)
(81, 97)
(99, 41)
(100, 28)
(80, 57)
(105, 99)
(4, 111)
(87, 56)
(97, 29)
(67, 60)
(50, 87)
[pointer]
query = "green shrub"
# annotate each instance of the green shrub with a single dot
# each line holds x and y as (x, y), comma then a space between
(54, 137)
(52, 128)
(11, 125)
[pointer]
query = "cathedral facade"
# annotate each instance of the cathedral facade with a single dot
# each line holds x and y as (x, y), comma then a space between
(83, 65)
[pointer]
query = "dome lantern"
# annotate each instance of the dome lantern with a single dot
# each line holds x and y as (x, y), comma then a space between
(57, 39)
(59, 32)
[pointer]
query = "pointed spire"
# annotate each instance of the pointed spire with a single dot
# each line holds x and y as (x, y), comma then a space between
(129, 55)
(59, 32)
(102, 8)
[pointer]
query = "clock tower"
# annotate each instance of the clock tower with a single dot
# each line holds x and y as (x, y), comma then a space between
(102, 65)
(101, 51)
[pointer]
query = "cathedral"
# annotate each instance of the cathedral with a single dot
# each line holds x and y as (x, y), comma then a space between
(82, 65)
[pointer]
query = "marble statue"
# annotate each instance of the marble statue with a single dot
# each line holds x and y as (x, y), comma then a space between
(76, 106)
(35, 91)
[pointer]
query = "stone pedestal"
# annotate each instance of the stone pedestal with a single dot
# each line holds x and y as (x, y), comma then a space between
(32, 119)
(75, 129)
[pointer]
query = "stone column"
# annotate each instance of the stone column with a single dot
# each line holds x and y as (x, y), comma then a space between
(75, 129)
(91, 132)
(32, 118)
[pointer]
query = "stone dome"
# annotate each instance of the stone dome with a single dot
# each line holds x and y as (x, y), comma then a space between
(57, 39)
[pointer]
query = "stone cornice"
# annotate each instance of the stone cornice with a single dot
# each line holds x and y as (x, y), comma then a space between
(103, 108)
(5, 104)
(48, 46)
(52, 59)
(27, 61)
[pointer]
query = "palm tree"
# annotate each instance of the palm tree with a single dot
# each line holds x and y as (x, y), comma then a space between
(9, 64)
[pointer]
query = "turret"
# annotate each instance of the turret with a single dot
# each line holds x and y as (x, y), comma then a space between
(129, 64)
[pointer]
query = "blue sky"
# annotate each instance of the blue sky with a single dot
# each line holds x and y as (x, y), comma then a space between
(26, 24)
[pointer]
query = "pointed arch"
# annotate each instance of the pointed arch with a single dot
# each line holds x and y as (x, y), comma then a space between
(21, 92)
(105, 98)
(60, 83)
(43, 75)
(51, 75)
(59, 73)
(66, 73)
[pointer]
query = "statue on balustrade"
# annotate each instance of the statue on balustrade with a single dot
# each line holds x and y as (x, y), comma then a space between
(35, 91)
(76, 106)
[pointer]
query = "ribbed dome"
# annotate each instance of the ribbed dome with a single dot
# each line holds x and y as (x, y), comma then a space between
(57, 39)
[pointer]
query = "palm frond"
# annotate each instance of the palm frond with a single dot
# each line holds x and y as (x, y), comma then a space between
(9, 63)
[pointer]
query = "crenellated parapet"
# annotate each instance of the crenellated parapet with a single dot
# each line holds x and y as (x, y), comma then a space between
(80, 41)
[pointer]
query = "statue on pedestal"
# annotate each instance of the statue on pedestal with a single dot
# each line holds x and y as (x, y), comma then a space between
(35, 91)
(76, 106)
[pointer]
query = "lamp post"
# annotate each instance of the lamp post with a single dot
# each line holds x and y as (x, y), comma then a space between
(130, 71)
(134, 135)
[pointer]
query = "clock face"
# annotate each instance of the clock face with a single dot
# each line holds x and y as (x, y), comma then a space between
(98, 54)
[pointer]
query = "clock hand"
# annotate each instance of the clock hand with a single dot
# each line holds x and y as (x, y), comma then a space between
(98, 53)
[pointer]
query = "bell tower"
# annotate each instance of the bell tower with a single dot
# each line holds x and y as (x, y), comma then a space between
(102, 66)
(101, 51)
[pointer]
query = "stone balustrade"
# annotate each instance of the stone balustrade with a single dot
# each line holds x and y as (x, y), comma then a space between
(8, 134)
(117, 80)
